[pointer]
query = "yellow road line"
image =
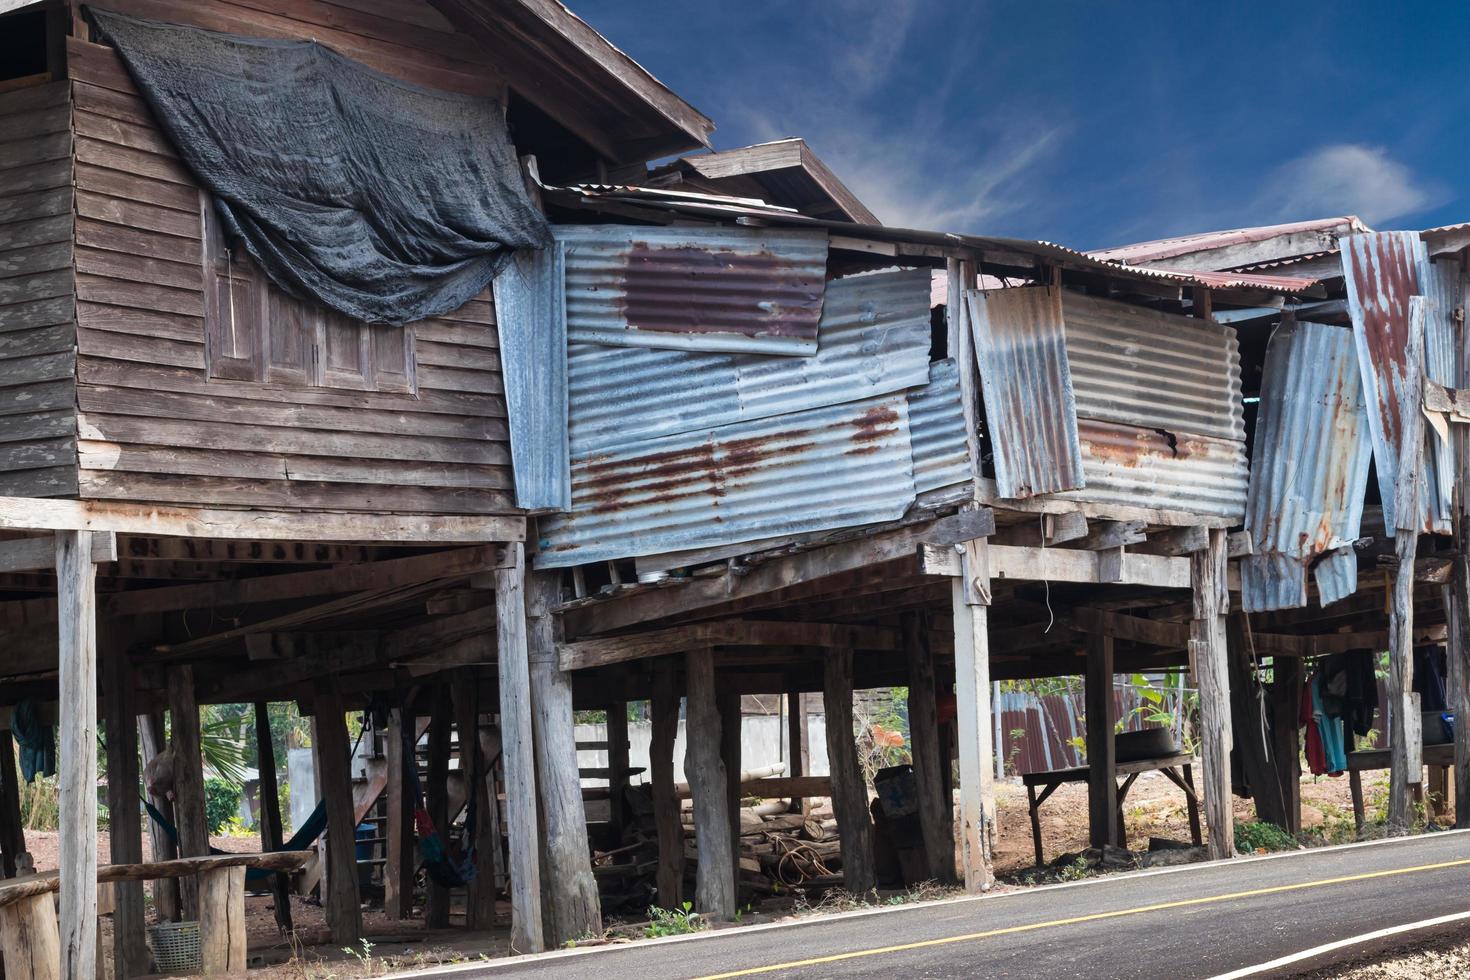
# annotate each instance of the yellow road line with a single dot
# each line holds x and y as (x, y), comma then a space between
(1009, 930)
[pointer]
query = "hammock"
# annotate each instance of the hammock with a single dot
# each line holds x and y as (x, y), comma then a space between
(304, 837)
(440, 867)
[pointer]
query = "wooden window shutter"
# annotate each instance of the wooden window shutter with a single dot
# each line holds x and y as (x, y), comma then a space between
(393, 358)
(290, 340)
(346, 352)
(234, 305)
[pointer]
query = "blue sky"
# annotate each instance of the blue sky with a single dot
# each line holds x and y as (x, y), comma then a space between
(1090, 124)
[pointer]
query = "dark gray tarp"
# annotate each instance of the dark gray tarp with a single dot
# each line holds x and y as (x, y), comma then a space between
(385, 200)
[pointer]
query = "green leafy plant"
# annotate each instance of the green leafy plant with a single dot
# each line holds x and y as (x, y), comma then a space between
(674, 922)
(363, 953)
(221, 803)
(1258, 835)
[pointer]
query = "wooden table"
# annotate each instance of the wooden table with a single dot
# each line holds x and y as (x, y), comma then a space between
(1439, 757)
(1178, 768)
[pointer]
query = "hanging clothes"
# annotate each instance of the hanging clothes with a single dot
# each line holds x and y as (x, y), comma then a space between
(1329, 727)
(1316, 757)
(1429, 674)
(37, 741)
(1350, 689)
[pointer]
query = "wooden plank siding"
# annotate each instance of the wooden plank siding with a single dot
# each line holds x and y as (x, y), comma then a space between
(152, 426)
(38, 455)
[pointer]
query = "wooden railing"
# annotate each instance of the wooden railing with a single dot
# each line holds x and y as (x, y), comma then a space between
(31, 938)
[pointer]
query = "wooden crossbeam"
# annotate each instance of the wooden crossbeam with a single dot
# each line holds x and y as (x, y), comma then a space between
(38, 554)
(160, 549)
(1063, 565)
(725, 632)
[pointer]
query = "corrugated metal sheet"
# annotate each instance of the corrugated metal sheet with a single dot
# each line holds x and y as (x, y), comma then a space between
(1381, 271)
(1143, 253)
(1310, 468)
(1131, 466)
(1030, 410)
(531, 322)
(710, 289)
(874, 339)
(1154, 369)
(1443, 291)
(937, 427)
(837, 466)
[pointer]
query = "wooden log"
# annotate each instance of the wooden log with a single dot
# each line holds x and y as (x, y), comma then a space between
(849, 789)
(12, 834)
(334, 770)
(1285, 696)
(222, 944)
(969, 601)
(517, 695)
(570, 888)
(936, 814)
(436, 798)
(398, 870)
(1102, 761)
(129, 943)
(165, 890)
(193, 829)
(271, 837)
(1208, 655)
(665, 718)
(798, 742)
(714, 887)
(728, 704)
(1404, 732)
(31, 939)
(77, 751)
(617, 766)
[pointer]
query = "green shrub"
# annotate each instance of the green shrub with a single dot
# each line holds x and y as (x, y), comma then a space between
(673, 922)
(221, 803)
(1257, 835)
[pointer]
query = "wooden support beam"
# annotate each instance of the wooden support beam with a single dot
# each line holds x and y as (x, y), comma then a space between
(1285, 699)
(571, 889)
(1102, 759)
(617, 766)
(166, 897)
(849, 789)
(1135, 629)
(1207, 654)
(12, 833)
(519, 752)
(798, 741)
(129, 943)
(725, 632)
(334, 770)
(32, 941)
(398, 869)
(969, 604)
(1112, 535)
(271, 835)
(37, 554)
(936, 812)
(188, 780)
(436, 797)
(1065, 565)
(714, 888)
(1047, 530)
(665, 717)
(728, 705)
(1457, 597)
(480, 893)
(38, 514)
(77, 751)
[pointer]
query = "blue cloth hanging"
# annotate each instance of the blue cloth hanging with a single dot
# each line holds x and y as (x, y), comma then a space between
(37, 741)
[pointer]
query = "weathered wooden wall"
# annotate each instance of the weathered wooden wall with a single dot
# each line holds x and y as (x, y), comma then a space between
(37, 306)
(153, 426)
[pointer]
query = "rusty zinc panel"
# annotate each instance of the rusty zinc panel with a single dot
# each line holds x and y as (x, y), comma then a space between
(836, 466)
(1153, 369)
(873, 339)
(1030, 411)
(1381, 271)
(937, 427)
(754, 290)
(1443, 291)
(1310, 460)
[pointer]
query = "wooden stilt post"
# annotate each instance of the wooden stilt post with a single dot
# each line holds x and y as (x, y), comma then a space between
(12, 834)
(1102, 760)
(1207, 654)
(165, 890)
(334, 768)
(480, 897)
(728, 705)
(849, 789)
(436, 798)
(617, 766)
(936, 814)
(129, 944)
(798, 742)
(665, 718)
(188, 780)
(222, 942)
(570, 887)
(714, 891)
(398, 867)
(76, 617)
(970, 601)
(271, 837)
(1457, 592)
(517, 694)
(31, 939)
(1286, 701)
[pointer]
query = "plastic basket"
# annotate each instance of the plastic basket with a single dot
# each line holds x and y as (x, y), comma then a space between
(176, 947)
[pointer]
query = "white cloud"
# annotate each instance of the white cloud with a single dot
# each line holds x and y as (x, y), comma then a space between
(1343, 178)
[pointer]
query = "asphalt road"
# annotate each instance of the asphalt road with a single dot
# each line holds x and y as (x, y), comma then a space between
(1190, 922)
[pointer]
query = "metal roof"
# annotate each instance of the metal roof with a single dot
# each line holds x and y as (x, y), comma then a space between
(873, 339)
(937, 428)
(1142, 253)
(1309, 471)
(1021, 351)
(1443, 289)
(1127, 465)
(707, 289)
(825, 468)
